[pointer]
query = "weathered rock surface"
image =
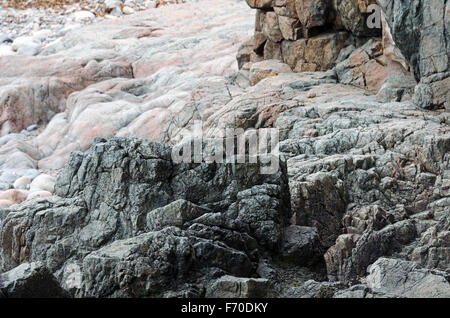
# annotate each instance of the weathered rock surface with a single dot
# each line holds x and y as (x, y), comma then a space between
(361, 291)
(265, 69)
(234, 287)
(407, 279)
(318, 53)
(129, 82)
(313, 289)
(414, 38)
(125, 203)
(260, 4)
(362, 187)
(30, 280)
(43, 182)
(367, 67)
(312, 14)
(420, 30)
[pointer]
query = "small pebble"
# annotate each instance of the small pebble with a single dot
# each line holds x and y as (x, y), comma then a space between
(22, 183)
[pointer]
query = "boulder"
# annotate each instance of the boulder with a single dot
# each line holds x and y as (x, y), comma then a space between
(361, 291)
(6, 50)
(83, 16)
(271, 27)
(396, 88)
(272, 51)
(244, 53)
(14, 195)
(237, 287)
(260, 4)
(348, 259)
(301, 245)
(30, 280)
(39, 194)
(407, 279)
(43, 182)
(313, 289)
(285, 8)
(265, 69)
(368, 68)
(353, 14)
(26, 45)
(160, 261)
(174, 214)
(259, 42)
(4, 203)
(22, 183)
(418, 28)
(291, 28)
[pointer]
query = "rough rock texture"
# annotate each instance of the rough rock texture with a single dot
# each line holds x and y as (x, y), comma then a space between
(128, 82)
(301, 245)
(316, 54)
(312, 14)
(30, 280)
(138, 224)
(420, 30)
(394, 278)
(260, 4)
(362, 190)
(361, 291)
(281, 25)
(367, 67)
(313, 289)
(313, 34)
(353, 15)
(265, 69)
(407, 279)
(234, 287)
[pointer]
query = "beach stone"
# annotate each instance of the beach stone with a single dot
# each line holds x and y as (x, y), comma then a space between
(83, 16)
(22, 183)
(14, 195)
(43, 182)
(26, 45)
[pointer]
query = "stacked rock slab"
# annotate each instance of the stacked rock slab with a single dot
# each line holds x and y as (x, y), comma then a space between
(307, 35)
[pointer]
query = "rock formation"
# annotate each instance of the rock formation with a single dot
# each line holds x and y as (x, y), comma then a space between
(319, 35)
(93, 202)
(420, 30)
